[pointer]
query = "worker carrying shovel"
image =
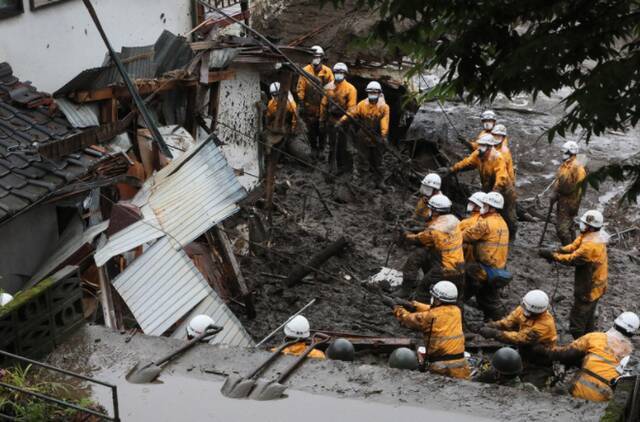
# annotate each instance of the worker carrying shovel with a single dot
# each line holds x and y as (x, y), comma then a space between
(441, 325)
(588, 253)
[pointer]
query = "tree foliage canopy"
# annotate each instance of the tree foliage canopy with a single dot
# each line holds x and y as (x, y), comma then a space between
(527, 46)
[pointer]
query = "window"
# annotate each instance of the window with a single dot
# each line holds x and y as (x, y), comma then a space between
(10, 8)
(38, 4)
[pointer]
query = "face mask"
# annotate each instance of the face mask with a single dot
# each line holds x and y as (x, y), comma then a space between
(525, 312)
(429, 214)
(484, 209)
(426, 190)
(483, 149)
(274, 95)
(373, 98)
(487, 125)
(583, 227)
(431, 301)
(470, 207)
(316, 61)
(339, 77)
(566, 155)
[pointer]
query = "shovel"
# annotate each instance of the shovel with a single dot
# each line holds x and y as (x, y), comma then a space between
(237, 387)
(143, 374)
(273, 389)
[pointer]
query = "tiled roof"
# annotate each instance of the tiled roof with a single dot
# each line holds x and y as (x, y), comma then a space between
(26, 121)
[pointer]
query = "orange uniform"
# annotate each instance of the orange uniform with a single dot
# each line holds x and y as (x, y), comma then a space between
(521, 330)
(494, 174)
(308, 94)
(442, 329)
(297, 349)
(342, 93)
(442, 235)
(490, 238)
(373, 115)
(290, 118)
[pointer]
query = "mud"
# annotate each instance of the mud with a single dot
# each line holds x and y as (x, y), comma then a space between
(319, 390)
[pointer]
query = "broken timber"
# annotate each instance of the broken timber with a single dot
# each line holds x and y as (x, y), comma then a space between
(372, 343)
(300, 271)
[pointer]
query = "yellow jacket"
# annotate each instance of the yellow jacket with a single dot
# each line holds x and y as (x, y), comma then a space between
(309, 95)
(570, 181)
(442, 235)
(490, 238)
(519, 330)
(506, 153)
(375, 116)
(494, 173)
(422, 207)
(603, 353)
(464, 225)
(342, 93)
(290, 118)
(588, 253)
(442, 329)
(297, 349)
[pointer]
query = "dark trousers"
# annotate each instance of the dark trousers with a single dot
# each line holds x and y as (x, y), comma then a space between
(582, 317)
(565, 226)
(509, 212)
(367, 157)
(338, 154)
(316, 137)
(487, 296)
(431, 266)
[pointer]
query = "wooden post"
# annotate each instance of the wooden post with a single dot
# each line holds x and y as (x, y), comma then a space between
(106, 300)
(214, 98)
(190, 123)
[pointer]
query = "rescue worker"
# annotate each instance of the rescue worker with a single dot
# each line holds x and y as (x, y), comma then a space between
(494, 176)
(272, 106)
(429, 187)
(473, 210)
(568, 190)
(588, 253)
(309, 98)
(441, 325)
(372, 115)
(344, 94)
(442, 256)
(604, 356)
(528, 325)
(500, 133)
(489, 238)
(298, 329)
(488, 119)
(506, 368)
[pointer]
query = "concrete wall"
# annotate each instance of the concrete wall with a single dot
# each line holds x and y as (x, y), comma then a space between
(238, 122)
(50, 46)
(25, 243)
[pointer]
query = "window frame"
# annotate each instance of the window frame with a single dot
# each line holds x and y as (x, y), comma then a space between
(34, 8)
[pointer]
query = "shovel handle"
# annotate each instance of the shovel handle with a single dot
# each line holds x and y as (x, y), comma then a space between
(212, 330)
(271, 358)
(323, 338)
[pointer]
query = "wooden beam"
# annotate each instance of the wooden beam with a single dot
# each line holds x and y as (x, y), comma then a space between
(221, 75)
(144, 86)
(106, 300)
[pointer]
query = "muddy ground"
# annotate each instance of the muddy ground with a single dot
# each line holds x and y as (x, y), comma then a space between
(370, 223)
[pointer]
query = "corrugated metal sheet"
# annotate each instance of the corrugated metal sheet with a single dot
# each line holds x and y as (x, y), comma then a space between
(160, 287)
(185, 199)
(79, 115)
(171, 52)
(233, 332)
(219, 59)
(66, 251)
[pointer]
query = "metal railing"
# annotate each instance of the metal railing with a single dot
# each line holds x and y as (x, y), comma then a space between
(59, 402)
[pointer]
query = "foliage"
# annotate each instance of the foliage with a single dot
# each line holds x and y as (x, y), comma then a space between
(31, 409)
(527, 46)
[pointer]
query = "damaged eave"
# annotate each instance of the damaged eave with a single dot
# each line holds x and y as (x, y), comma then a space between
(144, 86)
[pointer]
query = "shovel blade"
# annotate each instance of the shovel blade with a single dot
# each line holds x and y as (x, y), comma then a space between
(271, 391)
(143, 374)
(240, 389)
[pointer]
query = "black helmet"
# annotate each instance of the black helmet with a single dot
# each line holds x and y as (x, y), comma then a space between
(341, 349)
(507, 361)
(403, 358)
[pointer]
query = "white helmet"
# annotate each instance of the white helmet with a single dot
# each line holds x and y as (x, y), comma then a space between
(494, 199)
(274, 88)
(488, 115)
(499, 130)
(317, 50)
(535, 302)
(571, 147)
(477, 198)
(5, 298)
(445, 291)
(628, 322)
(440, 203)
(199, 325)
(488, 139)
(593, 218)
(340, 67)
(432, 180)
(298, 327)
(374, 86)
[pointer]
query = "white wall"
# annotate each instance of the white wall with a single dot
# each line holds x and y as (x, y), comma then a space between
(51, 45)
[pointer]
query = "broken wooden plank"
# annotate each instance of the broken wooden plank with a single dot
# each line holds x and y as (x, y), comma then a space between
(372, 343)
(300, 271)
(221, 75)
(106, 300)
(144, 86)
(226, 251)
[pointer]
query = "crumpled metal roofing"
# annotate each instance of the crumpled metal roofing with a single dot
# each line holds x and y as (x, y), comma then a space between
(79, 115)
(160, 287)
(189, 196)
(233, 332)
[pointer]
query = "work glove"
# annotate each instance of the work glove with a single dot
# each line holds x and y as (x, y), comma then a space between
(444, 171)
(488, 332)
(405, 304)
(546, 254)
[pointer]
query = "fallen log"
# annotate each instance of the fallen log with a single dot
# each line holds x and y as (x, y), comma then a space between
(301, 270)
